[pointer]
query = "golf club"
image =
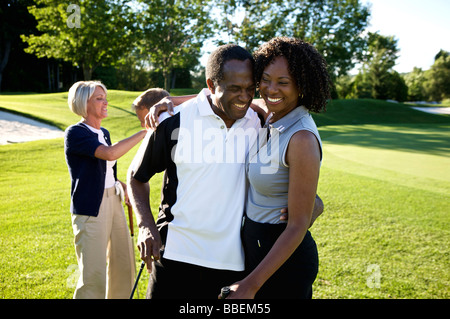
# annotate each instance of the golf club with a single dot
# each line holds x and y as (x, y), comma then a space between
(137, 279)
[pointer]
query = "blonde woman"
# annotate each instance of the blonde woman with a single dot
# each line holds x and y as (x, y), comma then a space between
(102, 241)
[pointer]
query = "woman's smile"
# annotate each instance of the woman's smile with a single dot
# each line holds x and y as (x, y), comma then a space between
(274, 100)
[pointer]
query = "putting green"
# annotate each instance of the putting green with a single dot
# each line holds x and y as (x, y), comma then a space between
(412, 156)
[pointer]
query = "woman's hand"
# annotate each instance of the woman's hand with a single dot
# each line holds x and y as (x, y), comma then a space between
(125, 193)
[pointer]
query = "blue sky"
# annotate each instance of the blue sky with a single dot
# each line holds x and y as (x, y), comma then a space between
(422, 28)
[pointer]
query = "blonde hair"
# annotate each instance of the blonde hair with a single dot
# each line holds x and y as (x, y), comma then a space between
(80, 93)
(149, 98)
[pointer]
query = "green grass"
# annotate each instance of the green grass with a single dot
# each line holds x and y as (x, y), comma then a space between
(386, 201)
(385, 182)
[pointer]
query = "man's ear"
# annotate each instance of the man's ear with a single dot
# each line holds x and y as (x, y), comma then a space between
(211, 86)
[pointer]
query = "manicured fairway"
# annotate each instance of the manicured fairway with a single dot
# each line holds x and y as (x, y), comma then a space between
(385, 231)
(414, 155)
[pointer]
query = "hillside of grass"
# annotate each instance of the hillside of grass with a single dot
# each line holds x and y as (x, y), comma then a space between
(384, 181)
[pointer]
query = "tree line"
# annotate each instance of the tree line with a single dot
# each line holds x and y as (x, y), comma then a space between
(138, 44)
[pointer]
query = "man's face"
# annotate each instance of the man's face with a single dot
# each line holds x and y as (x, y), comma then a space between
(232, 96)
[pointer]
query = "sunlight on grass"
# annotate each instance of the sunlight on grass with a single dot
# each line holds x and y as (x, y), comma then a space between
(414, 157)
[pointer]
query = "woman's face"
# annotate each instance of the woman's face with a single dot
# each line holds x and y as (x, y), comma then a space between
(97, 105)
(278, 88)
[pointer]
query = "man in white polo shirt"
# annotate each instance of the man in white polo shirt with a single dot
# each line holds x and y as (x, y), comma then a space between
(202, 150)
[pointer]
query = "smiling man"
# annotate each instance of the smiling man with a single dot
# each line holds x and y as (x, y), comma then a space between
(195, 248)
(203, 194)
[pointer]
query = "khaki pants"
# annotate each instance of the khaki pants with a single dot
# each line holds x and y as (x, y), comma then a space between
(104, 252)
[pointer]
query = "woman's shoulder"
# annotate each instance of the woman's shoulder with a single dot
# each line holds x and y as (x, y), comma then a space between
(302, 138)
(74, 128)
(78, 129)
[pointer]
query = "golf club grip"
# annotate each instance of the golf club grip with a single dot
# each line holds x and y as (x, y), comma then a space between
(130, 218)
(224, 292)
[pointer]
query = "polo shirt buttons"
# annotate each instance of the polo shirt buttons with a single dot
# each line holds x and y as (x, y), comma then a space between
(222, 127)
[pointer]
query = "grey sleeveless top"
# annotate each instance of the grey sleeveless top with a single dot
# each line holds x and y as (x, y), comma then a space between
(267, 170)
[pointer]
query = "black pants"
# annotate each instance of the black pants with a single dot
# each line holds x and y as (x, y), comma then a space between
(178, 280)
(294, 279)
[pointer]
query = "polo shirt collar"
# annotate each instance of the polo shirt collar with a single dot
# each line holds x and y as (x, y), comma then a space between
(204, 108)
(288, 120)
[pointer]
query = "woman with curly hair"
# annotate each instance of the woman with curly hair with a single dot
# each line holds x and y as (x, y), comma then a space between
(281, 257)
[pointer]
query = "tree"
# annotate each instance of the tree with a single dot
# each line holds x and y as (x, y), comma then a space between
(377, 79)
(334, 27)
(133, 72)
(415, 82)
(90, 34)
(379, 60)
(14, 20)
(344, 85)
(437, 78)
(172, 33)
(397, 88)
(361, 88)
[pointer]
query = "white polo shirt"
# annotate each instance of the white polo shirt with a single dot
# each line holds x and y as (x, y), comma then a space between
(205, 186)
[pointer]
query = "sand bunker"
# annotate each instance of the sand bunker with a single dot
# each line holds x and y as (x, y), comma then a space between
(18, 129)
(433, 110)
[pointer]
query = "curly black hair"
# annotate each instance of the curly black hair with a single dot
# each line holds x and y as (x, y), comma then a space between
(224, 53)
(306, 65)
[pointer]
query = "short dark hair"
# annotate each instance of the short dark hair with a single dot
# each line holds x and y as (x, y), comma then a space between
(306, 65)
(149, 98)
(224, 53)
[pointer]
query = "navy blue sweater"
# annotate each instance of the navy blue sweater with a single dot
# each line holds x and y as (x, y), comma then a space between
(87, 172)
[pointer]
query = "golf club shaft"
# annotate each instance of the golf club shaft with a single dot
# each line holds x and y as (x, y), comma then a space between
(137, 279)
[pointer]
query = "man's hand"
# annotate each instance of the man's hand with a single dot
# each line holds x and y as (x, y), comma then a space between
(149, 244)
(152, 118)
(149, 240)
(317, 211)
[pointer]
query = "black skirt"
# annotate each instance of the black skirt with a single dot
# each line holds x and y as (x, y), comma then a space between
(294, 279)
